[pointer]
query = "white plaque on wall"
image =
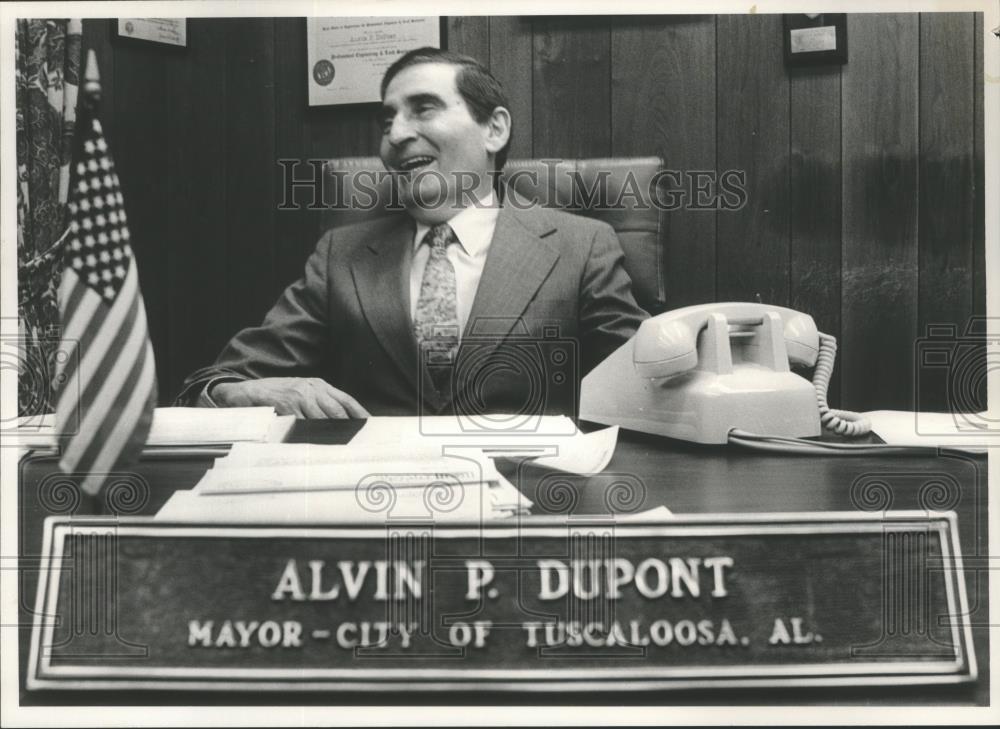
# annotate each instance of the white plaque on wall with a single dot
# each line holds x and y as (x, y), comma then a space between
(172, 31)
(348, 56)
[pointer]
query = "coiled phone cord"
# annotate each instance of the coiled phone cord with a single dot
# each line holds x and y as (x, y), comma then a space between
(841, 422)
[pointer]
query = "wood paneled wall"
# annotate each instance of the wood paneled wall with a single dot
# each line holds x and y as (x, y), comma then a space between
(864, 181)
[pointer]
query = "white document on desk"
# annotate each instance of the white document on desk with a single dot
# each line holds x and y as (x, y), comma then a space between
(584, 453)
(465, 504)
(348, 475)
(498, 432)
(934, 430)
(206, 426)
(553, 439)
(245, 455)
(182, 427)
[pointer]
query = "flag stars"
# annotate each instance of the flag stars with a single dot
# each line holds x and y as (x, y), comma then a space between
(101, 144)
(77, 263)
(106, 274)
(80, 168)
(98, 203)
(109, 181)
(89, 240)
(116, 254)
(87, 223)
(109, 199)
(120, 271)
(102, 238)
(109, 293)
(89, 146)
(113, 217)
(91, 260)
(105, 164)
(81, 186)
(85, 204)
(92, 278)
(75, 244)
(105, 256)
(115, 236)
(100, 219)
(92, 165)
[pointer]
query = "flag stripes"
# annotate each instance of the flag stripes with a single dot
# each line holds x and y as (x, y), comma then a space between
(136, 414)
(103, 337)
(113, 372)
(106, 370)
(120, 339)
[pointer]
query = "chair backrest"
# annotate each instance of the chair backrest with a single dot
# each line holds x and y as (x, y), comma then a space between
(618, 191)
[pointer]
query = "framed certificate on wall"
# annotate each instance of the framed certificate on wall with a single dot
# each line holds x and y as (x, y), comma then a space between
(348, 56)
(169, 31)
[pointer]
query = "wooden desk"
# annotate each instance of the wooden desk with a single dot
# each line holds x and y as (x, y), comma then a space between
(646, 471)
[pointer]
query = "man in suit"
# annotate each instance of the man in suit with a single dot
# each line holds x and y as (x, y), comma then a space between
(459, 302)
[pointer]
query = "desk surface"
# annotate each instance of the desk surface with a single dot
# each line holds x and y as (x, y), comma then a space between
(646, 471)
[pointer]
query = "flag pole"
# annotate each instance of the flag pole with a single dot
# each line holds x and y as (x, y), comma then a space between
(91, 82)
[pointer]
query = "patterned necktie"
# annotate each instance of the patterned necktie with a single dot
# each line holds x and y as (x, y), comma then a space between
(435, 321)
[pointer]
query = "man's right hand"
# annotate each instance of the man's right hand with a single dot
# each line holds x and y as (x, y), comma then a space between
(303, 397)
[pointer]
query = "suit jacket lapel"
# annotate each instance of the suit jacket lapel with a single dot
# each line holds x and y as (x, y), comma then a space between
(519, 260)
(381, 276)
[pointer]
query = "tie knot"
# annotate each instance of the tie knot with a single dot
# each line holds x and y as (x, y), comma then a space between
(441, 236)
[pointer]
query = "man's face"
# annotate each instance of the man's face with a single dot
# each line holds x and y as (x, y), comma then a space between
(431, 138)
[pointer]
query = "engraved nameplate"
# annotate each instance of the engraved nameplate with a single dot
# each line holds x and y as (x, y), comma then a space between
(747, 600)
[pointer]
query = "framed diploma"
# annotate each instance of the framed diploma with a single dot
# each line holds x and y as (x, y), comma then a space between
(348, 56)
(170, 31)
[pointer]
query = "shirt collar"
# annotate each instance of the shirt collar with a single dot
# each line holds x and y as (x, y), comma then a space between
(473, 226)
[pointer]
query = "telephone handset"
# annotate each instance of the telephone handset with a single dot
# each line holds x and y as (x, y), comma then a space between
(699, 372)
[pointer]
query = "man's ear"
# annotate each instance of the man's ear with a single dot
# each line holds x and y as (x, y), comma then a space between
(497, 130)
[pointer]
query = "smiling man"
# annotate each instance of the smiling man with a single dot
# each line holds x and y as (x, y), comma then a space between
(464, 301)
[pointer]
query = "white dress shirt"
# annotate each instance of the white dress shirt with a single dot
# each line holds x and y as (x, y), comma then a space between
(474, 228)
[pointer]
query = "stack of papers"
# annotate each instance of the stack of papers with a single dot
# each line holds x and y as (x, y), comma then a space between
(303, 483)
(433, 469)
(217, 426)
(180, 427)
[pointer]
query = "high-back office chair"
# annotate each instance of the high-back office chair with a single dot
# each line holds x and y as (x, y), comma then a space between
(616, 191)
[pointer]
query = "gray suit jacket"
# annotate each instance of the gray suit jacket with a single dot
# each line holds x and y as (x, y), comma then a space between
(554, 300)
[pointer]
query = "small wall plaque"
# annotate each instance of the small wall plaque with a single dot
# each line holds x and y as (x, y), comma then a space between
(169, 31)
(815, 38)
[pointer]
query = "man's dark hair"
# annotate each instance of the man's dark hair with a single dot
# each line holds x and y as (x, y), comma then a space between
(481, 92)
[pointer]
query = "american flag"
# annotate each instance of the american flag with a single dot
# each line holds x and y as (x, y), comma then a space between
(105, 373)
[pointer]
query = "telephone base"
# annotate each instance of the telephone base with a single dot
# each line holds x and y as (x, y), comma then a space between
(700, 406)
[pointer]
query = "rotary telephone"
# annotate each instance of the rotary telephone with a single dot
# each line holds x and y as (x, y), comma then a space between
(713, 372)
